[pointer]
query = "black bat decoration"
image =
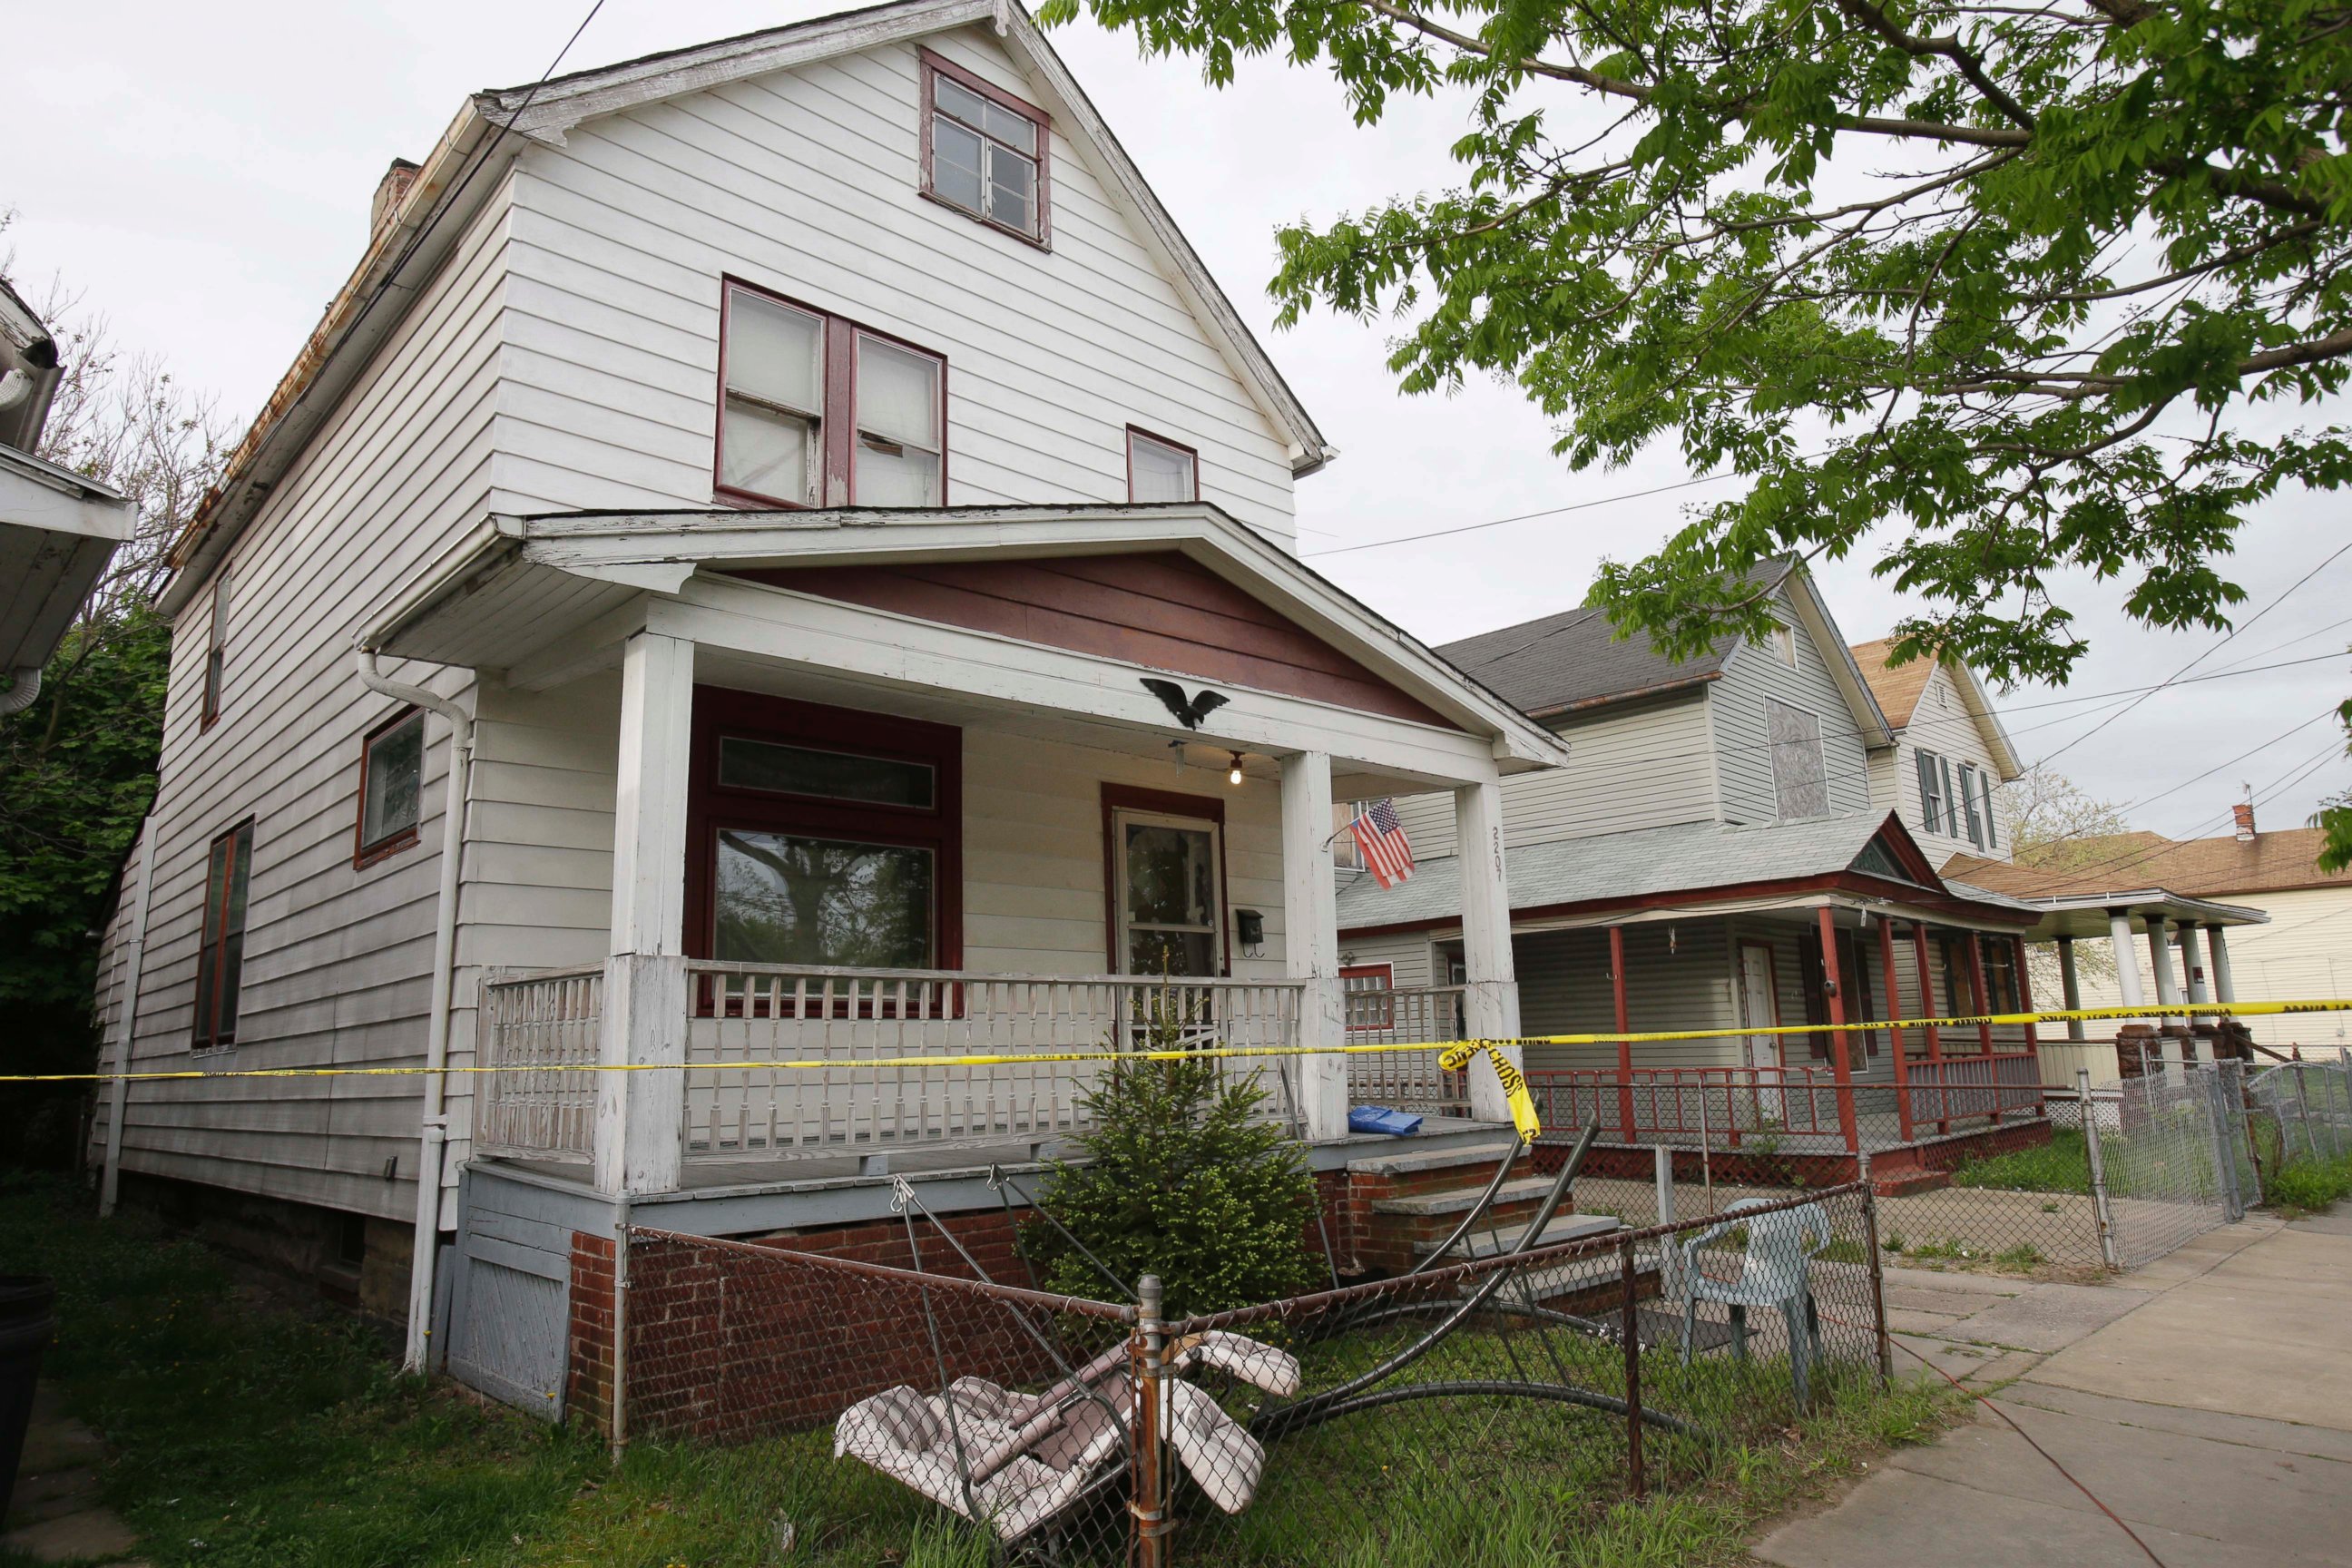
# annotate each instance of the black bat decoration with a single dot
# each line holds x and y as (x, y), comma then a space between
(1188, 711)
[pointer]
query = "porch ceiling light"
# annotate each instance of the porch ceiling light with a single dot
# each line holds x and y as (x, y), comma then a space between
(1233, 773)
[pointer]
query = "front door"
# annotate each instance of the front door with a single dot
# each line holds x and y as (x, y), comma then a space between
(1166, 895)
(1760, 1005)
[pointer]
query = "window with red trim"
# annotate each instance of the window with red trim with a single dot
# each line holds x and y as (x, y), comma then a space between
(391, 787)
(1368, 995)
(985, 152)
(1159, 470)
(823, 836)
(216, 650)
(220, 962)
(817, 410)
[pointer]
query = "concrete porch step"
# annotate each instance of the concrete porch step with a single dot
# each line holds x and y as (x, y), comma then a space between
(1461, 1200)
(1407, 1161)
(1563, 1228)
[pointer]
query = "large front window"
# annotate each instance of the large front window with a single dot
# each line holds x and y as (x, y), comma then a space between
(822, 835)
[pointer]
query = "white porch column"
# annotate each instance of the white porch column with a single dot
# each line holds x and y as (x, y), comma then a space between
(2199, 989)
(1310, 939)
(2070, 989)
(2127, 961)
(2218, 951)
(2168, 987)
(1490, 999)
(640, 1116)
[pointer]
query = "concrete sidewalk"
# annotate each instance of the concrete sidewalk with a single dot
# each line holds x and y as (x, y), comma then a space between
(2207, 1399)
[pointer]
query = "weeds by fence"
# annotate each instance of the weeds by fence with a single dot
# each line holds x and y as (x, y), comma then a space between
(1419, 1414)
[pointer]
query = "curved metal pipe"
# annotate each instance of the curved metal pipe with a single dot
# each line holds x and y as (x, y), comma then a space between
(21, 696)
(1485, 1201)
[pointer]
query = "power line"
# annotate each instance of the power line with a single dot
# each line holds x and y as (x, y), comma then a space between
(2333, 557)
(2124, 691)
(1522, 517)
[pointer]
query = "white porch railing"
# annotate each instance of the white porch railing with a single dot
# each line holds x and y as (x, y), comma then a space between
(850, 1021)
(1405, 1081)
(539, 1030)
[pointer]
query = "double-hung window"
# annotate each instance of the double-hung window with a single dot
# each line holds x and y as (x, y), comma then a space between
(216, 650)
(1931, 791)
(1159, 470)
(391, 787)
(220, 961)
(817, 410)
(1969, 798)
(984, 150)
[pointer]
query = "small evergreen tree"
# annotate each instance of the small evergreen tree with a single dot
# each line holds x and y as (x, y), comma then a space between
(1180, 1179)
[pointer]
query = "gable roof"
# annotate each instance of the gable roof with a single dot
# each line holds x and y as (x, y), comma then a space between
(1680, 863)
(525, 583)
(1899, 686)
(1573, 662)
(464, 168)
(2220, 867)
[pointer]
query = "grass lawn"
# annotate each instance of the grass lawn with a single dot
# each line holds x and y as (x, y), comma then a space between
(245, 1435)
(2061, 1165)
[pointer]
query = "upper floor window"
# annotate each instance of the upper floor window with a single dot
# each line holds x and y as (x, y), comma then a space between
(1969, 796)
(1159, 470)
(984, 150)
(1931, 791)
(1800, 779)
(220, 962)
(816, 410)
(1781, 641)
(392, 786)
(216, 648)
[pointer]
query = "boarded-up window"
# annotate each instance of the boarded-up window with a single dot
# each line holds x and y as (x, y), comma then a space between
(1800, 781)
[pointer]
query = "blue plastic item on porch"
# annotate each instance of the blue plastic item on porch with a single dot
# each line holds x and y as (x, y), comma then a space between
(1380, 1119)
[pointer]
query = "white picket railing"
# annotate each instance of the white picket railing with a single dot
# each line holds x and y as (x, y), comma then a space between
(849, 1019)
(541, 1032)
(1405, 1081)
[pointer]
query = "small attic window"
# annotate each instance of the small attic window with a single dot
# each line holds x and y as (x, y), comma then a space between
(984, 150)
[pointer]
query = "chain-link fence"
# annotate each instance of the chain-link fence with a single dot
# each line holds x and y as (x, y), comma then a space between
(2301, 1111)
(1461, 1403)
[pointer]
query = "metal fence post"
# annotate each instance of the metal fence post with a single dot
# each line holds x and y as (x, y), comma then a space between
(1662, 1157)
(621, 1328)
(1631, 1330)
(1148, 1506)
(2103, 1216)
(1877, 1277)
(2302, 1114)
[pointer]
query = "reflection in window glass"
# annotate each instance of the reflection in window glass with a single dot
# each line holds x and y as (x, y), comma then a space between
(788, 899)
(394, 770)
(828, 775)
(1171, 898)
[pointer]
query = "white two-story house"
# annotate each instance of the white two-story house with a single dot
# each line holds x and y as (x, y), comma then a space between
(779, 550)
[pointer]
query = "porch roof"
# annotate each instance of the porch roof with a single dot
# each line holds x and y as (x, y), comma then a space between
(553, 595)
(1682, 864)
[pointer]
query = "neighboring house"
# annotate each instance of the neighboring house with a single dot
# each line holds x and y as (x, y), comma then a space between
(1711, 856)
(57, 529)
(2288, 923)
(699, 596)
(1950, 753)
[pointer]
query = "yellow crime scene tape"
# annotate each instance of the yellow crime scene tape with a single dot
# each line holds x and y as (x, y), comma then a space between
(1465, 1050)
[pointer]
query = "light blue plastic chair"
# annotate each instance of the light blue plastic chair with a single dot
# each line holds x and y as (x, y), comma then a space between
(1776, 1271)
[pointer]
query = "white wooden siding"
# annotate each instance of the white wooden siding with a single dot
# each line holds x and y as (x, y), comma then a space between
(1744, 756)
(1412, 957)
(337, 961)
(806, 181)
(1677, 976)
(1646, 766)
(1941, 724)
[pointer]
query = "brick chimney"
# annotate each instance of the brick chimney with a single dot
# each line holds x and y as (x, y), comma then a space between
(2244, 812)
(388, 192)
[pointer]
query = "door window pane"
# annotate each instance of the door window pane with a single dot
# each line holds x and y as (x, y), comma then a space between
(1169, 879)
(789, 899)
(1175, 953)
(830, 775)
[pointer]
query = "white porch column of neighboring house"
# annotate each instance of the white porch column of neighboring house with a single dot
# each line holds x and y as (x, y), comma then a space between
(2119, 937)
(2199, 989)
(2167, 984)
(640, 1116)
(2218, 956)
(1490, 998)
(1310, 939)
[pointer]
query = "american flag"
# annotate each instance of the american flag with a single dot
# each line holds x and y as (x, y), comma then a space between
(1387, 853)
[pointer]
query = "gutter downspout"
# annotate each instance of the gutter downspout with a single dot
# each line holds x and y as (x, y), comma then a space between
(433, 1134)
(134, 950)
(21, 695)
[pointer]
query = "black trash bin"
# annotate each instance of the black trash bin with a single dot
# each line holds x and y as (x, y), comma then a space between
(27, 1324)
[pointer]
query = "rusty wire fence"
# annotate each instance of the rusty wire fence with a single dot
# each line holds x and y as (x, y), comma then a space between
(1497, 1399)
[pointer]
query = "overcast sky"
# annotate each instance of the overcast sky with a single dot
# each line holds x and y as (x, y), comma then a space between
(203, 175)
